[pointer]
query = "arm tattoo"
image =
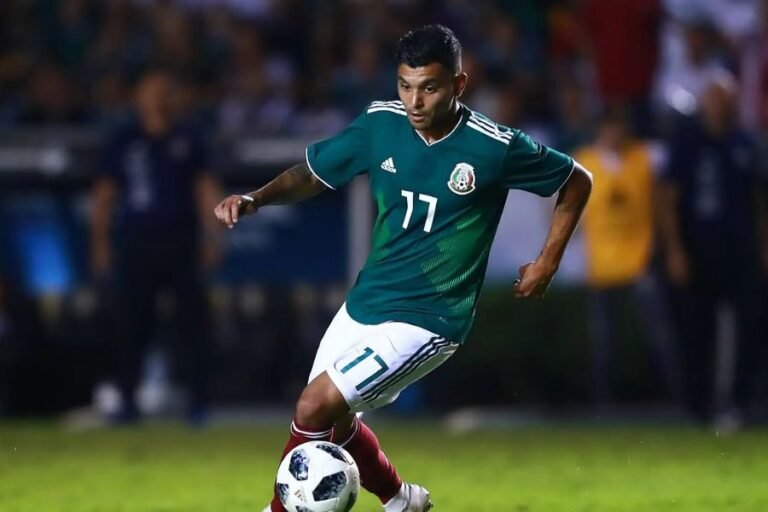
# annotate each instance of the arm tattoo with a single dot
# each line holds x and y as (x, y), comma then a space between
(566, 207)
(293, 185)
(571, 201)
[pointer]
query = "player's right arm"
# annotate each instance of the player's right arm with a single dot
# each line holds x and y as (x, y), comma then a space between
(329, 163)
(294, 185)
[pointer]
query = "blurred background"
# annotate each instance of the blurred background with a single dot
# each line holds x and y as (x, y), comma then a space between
(123, 122)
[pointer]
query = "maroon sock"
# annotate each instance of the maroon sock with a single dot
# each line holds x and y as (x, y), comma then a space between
(377, 474)
(300, 435)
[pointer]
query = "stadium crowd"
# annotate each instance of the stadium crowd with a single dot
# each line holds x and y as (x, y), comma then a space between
(288, 66)
(666, 100)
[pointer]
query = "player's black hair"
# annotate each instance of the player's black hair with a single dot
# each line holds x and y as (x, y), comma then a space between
(428, 44)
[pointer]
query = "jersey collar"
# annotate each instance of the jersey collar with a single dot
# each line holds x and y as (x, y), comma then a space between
(459, 124)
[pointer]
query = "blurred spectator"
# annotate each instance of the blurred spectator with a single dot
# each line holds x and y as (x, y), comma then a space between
(318, 116)
(362, 78)
(259, 87)
(618, 235)
(71, 30)
(682, 80)
(156, 182)
(753, 63)
(250, 107)
(733, 18)
(52, 98)
(123, 43)
(174, 43)
(709, 226)
(506, 49)
(480, 93)
(248, 64)
(509, 110)
(566, 31)
(110, 99)
(572, 126)
(623, 36)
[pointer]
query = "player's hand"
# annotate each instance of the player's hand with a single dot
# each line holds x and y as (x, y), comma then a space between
(232, 208)
(678, 268)
(534, 279)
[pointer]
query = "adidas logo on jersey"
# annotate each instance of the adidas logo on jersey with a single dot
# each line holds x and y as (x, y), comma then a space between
(389, 165)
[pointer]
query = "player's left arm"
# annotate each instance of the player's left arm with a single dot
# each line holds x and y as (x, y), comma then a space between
(571, 200)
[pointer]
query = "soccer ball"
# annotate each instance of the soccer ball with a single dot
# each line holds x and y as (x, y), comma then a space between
(318, 477)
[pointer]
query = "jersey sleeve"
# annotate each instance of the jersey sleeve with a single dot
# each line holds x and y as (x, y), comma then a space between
(533, 167)
(335, 161)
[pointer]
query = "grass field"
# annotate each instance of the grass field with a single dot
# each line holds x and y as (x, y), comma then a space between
(558, 468)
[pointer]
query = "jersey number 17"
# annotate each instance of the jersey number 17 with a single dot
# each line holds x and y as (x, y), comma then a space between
(430, 200)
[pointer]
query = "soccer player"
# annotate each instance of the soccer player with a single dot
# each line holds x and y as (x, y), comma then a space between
(439, 174)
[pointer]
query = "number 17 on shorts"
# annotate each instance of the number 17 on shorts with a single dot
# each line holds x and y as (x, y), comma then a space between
(374, 373)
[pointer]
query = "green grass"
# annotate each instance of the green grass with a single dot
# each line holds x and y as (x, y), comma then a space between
(557, 469)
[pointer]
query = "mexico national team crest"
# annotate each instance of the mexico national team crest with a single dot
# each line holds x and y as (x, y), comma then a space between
(462, 180)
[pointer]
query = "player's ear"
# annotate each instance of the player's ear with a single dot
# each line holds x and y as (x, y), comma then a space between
(459, 84)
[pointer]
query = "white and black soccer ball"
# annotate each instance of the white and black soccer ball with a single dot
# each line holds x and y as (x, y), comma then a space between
(318, 477)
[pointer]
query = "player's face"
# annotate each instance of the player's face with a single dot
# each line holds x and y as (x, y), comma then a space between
(429, 94)
(154, 95)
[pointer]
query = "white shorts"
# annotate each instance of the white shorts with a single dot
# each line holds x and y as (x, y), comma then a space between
(372, 364)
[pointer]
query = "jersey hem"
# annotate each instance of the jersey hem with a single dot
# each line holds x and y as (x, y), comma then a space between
(412, 319)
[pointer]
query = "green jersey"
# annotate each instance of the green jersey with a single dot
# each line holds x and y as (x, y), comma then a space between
(439, 205)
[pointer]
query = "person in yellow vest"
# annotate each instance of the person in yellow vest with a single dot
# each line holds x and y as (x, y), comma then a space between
(618, 230)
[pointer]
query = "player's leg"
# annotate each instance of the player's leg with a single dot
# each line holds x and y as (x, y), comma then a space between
(391, 357)
(369, 366)
(343, 428)
(317, 410)
(377, 474)
(316, 406)
(341, 335)
(321, 404)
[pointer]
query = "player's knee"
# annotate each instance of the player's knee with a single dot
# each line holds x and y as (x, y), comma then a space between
(314, 410)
